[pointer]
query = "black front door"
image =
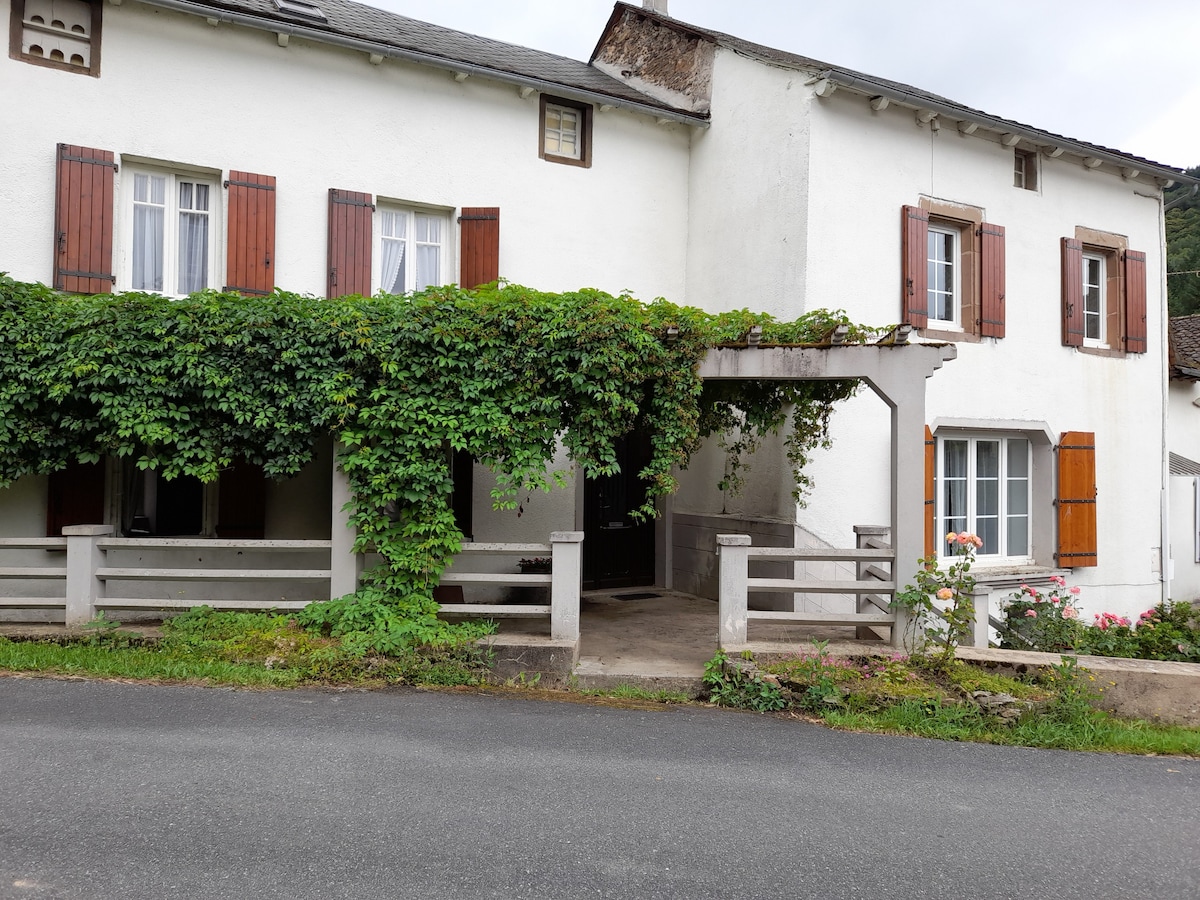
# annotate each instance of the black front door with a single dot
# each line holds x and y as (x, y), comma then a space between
(618, 550)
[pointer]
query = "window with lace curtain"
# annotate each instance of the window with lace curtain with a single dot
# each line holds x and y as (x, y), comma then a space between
(411, 249)
(170, 231)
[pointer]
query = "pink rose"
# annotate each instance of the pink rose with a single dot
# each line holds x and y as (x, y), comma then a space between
(1074, 590)
(1026, 589)
(945, 594)
(1058, 579)
(1031, 614)
(1069, 612)
(977, 541)
(1055, 600)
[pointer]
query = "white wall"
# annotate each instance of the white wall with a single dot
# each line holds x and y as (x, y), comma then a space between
(848, 171)
(749, 191)
(176, 90)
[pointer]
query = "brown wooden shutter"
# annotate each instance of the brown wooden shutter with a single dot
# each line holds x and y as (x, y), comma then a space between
(930, 493)
(1077, 499)
(479, 261)
(991, 314)
(83, 221)
(251, 244)
(1135, 301)
(914, 252)
(75, 497)
(1072, 292)
(350, 243)
(242, 502)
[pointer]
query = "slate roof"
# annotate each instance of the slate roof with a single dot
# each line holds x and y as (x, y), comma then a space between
(358, 21)
(795, 60)
(1184, 340)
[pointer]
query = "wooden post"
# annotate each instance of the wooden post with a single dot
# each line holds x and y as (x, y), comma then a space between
(733, 558)
(84, 557)
(566, 576)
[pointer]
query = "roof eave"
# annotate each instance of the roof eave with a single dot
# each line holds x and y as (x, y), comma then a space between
(389, 51)
(1165, 175)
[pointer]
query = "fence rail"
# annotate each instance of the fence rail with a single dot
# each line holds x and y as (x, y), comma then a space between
(88, 580)
(735, 553)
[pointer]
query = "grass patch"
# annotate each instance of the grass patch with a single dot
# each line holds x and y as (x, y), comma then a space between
(245, 649)
(897, 695)
(635, 692)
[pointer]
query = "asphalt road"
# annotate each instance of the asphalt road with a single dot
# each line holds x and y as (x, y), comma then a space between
(130, 791)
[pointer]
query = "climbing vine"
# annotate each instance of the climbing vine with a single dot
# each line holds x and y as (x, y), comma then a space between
(504, 373)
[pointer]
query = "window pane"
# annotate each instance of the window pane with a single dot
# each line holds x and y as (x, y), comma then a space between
(987, 497)
(1018, 535)
(955, 458)
(987, 459)
(147, 247)
(989, 530)
(193, 252)
(428, 266)
(1018, 458)
(1018, 497)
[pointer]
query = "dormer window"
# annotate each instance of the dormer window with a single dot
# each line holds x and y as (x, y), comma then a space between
(61, 34)
(301, 8)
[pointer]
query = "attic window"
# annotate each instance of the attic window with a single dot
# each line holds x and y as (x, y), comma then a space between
(301, 8)
(61, 34)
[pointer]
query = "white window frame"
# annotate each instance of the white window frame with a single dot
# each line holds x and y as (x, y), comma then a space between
(972, 439)
(1196, 518)
(412, 217)
(1099, 315)
(130, 174)
(954, 263)
(556, 134)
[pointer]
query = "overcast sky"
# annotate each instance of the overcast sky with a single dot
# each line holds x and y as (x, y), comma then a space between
(1121, 74)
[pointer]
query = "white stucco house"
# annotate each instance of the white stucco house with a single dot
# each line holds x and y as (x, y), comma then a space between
(339, 149)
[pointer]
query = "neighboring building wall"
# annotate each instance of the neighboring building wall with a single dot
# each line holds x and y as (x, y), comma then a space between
(1184, 420)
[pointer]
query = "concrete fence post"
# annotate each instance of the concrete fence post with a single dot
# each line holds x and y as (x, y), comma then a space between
(345, 566)
(733, 559)
(84, 557)
(981, 597)
(566, 576)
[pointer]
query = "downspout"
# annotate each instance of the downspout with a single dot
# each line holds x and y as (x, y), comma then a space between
(1165, 557)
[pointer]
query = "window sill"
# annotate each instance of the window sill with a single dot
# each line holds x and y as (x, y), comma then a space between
(1010, 578)
(567, 161)
(958, 337)
(1101, 351)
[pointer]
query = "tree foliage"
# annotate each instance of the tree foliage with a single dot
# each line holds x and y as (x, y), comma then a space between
(503, 372)
(1183, 249)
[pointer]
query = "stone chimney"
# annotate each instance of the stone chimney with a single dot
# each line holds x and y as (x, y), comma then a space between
(658, 6)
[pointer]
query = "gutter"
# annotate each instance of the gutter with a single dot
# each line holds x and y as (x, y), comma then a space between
(387, 51)
(1003, 126)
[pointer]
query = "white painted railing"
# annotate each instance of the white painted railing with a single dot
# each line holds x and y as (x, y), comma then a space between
(90, 580)
(734, 553)
(564, 580)
(873, 588)
(40, 573)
